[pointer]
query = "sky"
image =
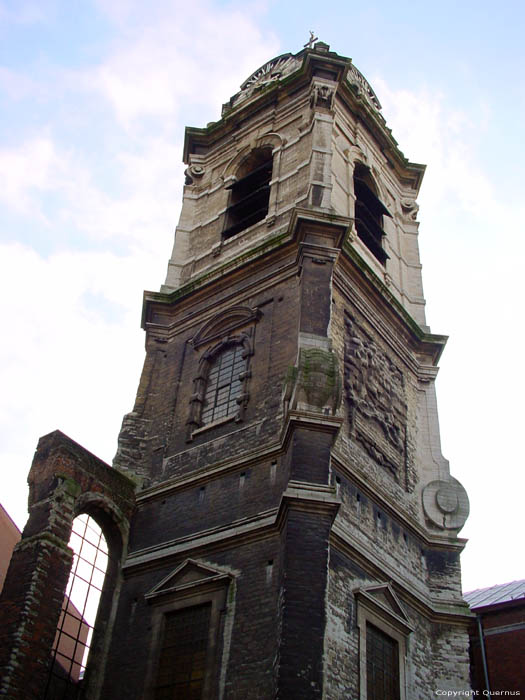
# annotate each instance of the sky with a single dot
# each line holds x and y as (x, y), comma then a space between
(94, 98)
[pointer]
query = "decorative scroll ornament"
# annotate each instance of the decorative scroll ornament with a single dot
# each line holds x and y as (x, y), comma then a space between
(446, 504)
(194, 172)
(355, 77)
(270, 72)
(410, 208)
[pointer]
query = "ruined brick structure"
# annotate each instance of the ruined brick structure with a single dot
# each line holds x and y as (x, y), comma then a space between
(281, 517)
(497, 639)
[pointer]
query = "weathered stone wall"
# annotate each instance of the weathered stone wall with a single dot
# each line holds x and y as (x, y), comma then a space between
(251, 639)
(436, 652)
(157, 439)
(353, 143)
(65, 480)
(380, 399)
(228, 496)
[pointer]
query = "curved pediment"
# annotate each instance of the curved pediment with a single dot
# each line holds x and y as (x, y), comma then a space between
(224, 322)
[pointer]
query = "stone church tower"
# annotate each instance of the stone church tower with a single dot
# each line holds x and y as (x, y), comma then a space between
(280, 520)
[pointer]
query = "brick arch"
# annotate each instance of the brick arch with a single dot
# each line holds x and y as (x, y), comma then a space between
(65, 480)
(112, 521)
(100, 506)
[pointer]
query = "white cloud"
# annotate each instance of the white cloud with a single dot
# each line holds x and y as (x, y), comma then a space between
(76, 347)
(472, 247)
(431, 131)
(141, 215)
(70, 364)
(16, 85)
(35, 165)
(161, 62)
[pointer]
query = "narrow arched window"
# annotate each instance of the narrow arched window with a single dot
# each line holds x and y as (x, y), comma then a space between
(79, 609)
(369, 212)
(224, 384)
(250, 193)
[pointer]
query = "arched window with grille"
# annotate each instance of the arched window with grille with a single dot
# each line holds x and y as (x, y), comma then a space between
(221, 384)
(85, 588)
(224, 383)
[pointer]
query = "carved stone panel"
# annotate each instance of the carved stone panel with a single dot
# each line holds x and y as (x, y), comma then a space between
(375, 390)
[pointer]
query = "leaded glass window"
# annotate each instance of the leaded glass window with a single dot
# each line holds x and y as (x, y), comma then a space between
(224, 384)
(382, 665)
(182, 662)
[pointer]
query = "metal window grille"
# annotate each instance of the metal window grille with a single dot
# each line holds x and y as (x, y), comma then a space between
(382, 665)
(79, 610)
(224, 385)
(182, 662)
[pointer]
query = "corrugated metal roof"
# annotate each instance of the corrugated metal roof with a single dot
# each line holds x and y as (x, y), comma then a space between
(495, 594)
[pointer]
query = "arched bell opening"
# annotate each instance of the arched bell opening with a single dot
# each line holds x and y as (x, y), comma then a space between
(369, 213)
(250, 193)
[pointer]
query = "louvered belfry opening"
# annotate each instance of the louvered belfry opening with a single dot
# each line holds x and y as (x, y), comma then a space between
(182, 664)
(250, 193)
(369, 212)
(382, 665)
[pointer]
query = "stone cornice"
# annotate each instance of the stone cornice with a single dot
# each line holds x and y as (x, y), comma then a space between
(313, 498)
(428, 343)
(352, 88)
(434, 541)
(437, 610)
(301, 221)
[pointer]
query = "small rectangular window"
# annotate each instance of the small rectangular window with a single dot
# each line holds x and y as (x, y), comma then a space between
(182, 663)
(382, 665)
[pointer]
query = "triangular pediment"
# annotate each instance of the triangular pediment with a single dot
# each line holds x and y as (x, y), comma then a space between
(383, 598)
(189, 574)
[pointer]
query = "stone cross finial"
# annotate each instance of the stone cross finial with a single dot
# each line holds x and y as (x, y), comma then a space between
(309, 44)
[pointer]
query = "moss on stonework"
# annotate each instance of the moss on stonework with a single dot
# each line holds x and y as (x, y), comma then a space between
(41, 540)
(381, 286)
(69, 485)
(319, 377)
(170, 297)
(291, 375)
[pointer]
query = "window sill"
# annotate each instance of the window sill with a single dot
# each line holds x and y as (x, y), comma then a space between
(213, 424)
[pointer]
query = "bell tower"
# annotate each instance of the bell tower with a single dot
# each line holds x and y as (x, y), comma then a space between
(285, 431)
(295, 526)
